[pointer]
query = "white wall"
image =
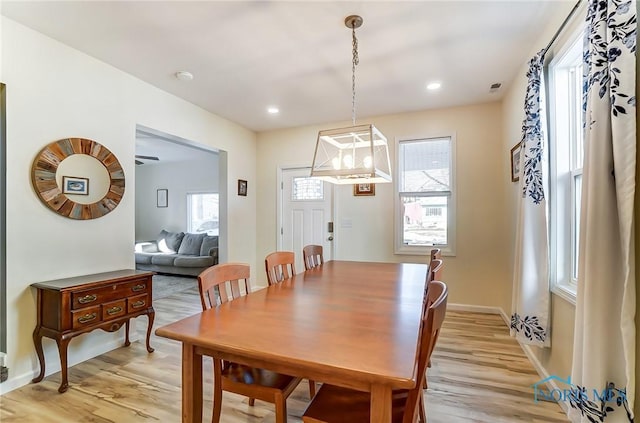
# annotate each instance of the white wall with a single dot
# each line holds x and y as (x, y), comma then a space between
(56, 92)
(478, 274)
(179, 178)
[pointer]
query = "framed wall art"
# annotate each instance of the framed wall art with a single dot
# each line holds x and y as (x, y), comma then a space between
(364, 189)
(242, 187)
(515, 162)
(162, 198)
(75, 185)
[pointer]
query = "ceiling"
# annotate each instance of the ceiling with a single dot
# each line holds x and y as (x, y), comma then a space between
(249, 55)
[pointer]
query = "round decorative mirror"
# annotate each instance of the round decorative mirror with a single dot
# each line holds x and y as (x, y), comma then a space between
(78, 178)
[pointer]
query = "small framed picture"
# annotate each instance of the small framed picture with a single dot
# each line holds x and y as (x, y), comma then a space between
(75, 185)
(162, 198)
(242, 187)
(515, 162)
(364, 189)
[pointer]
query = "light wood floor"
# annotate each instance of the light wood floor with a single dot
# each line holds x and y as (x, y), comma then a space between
(479, 374)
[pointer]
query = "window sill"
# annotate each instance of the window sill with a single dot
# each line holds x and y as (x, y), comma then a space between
(423, 251)
(565, 293)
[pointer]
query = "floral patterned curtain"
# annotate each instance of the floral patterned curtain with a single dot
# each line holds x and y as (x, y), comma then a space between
(530, 316)
(604, 343)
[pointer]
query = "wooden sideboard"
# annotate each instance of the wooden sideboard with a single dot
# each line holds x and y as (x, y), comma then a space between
(73, 306)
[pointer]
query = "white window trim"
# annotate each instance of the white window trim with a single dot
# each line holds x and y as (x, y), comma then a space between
(450, 248)
(567, 288)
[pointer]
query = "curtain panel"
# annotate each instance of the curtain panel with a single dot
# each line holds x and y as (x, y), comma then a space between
(530, 304)
(603, 371)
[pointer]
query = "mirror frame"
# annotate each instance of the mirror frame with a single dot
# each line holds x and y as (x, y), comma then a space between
(43, 178)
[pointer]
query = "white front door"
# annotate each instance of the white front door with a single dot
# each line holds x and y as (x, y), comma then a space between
(306, 214)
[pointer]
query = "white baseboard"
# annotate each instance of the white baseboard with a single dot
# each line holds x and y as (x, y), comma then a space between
(52, 365)
(543, 373)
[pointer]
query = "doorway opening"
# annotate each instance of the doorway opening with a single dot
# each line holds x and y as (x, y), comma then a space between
(191, 178)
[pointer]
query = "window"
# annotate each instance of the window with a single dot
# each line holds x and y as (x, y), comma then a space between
(203, 213)
(566, 153)
(306, 188)
(426, 200)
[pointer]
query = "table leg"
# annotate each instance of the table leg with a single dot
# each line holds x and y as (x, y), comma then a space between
(63, 346)
(191, 385)
(381, 404)
(37, 341)
(151, 315)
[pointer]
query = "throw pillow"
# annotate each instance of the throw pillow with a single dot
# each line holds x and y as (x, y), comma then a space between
(191, 244)
(169, 242)
(208, 244)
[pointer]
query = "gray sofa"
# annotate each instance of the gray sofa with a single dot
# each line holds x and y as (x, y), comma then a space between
(177, 253)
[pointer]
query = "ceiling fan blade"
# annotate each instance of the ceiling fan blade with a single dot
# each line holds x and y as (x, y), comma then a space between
(147, 157)
(138, 162)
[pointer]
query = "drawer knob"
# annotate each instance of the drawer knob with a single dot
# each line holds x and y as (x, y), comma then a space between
(114, 310)
(88, 317)
(138, 304)
(138, 287)
(87, 299)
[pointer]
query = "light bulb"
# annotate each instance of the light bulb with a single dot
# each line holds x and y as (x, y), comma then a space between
(336, 163)
(348, 161)
(367, 162)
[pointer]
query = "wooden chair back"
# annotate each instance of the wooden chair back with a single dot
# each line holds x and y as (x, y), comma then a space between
(280, 266)
(312, 255)
(213, 281)
(431, 324)
(435, 254)
(435, 270)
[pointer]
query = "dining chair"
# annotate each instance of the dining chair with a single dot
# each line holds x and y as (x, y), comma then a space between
(217, 285)
(335, 404)
(435, 270)
(280, 266)
(312, 255)
(436, 253)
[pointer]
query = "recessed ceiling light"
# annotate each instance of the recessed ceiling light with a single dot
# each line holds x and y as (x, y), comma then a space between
(184, 76)
(433, 85)
(273, 110)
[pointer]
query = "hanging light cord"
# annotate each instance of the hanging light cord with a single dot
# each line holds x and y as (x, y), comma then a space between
(355, 62)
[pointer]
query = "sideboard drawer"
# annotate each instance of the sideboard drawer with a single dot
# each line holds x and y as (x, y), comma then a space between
(114, 309)
(86, 317)
(135, 287)
(104, 294)
(137, 303)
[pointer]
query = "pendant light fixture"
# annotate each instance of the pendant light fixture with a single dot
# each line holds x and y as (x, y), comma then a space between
(356, 154)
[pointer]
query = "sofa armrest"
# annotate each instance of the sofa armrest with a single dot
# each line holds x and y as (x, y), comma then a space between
(213, 252)
(147, 247)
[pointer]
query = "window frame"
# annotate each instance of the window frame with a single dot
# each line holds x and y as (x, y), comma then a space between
(450, 248)
(564, 220)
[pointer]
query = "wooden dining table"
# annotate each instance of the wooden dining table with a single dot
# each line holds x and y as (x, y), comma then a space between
(352, 324)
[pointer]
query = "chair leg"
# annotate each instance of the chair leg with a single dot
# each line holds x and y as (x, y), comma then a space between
(423, 413)
(312, 389)
(252, 401)
(217, 390)
(281, 409)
